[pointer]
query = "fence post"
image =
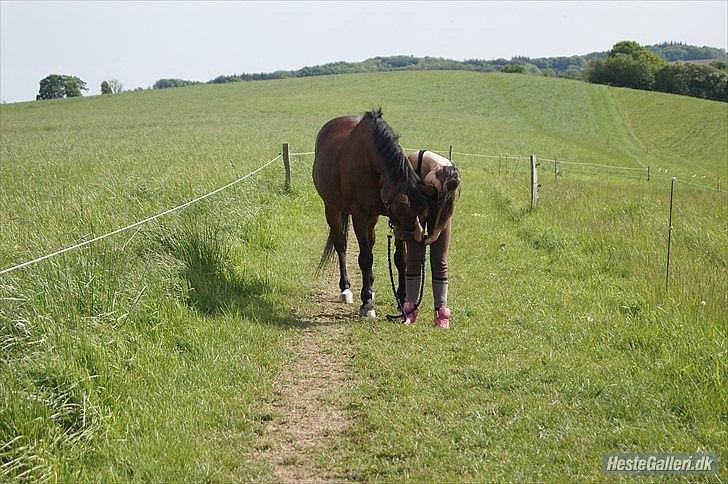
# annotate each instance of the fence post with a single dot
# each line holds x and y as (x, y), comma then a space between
(449, 155)
(287, 166)
(718, 182)
(556, 169)
(499, 164)
(534, 182)
(648, 173)
(669, 236)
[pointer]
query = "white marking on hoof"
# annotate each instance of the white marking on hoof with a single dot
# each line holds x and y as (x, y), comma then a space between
(367, 313)
(346, 296)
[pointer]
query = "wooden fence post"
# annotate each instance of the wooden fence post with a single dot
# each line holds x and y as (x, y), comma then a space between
(669, 236)
(287, 166)
(718, 182)
(648, 173)
(534, 182)
(449, 155)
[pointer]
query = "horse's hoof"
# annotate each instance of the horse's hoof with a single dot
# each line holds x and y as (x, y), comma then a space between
(346, 296)
(367, 313)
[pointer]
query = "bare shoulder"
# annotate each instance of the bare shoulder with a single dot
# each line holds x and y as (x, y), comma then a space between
(436, 159)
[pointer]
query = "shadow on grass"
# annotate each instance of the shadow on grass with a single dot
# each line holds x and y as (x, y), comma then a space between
(214, 288)
(218, 292)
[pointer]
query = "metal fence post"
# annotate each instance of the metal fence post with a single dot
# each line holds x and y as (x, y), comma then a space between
(669, 236)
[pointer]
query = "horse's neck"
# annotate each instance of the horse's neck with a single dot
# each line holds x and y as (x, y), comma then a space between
(388, 186)
(378, 165)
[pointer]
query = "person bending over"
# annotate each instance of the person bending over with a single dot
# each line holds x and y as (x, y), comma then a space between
(443, 179)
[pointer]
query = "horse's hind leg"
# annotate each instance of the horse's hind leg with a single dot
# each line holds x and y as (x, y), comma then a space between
(339, 225)
(364, 229)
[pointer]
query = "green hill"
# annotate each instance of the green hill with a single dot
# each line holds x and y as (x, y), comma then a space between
(152, 355)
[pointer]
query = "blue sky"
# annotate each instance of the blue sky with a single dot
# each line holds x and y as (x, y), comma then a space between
(140, 42)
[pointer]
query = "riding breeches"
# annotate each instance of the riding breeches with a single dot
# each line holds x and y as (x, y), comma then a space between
(438, 265)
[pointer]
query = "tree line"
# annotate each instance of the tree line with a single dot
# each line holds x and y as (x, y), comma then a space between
(627, 65)
(57, 86)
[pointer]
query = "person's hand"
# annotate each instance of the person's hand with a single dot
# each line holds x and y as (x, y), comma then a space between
(431, 239)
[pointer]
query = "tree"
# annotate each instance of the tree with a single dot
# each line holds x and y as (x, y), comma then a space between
(57, 86)
(693, 80)
(116, 85)
(628, 64)
(514, 69)
(167, 83)
(573, 73)
(105, 87)
(74, 86)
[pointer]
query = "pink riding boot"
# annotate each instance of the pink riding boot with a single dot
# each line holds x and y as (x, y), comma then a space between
(442, 318)
(410, 313)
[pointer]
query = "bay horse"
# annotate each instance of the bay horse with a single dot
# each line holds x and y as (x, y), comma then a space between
(360, 170)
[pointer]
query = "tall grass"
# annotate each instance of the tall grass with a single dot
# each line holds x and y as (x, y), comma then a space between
(150, 356)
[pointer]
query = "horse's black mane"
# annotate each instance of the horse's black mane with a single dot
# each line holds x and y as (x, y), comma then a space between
(386, 143)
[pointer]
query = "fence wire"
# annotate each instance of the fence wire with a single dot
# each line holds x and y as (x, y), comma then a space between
(136, 224)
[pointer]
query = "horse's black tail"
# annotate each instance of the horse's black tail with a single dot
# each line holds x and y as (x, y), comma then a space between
(329, 248)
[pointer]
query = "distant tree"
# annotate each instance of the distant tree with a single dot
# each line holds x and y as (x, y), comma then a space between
(628, 64)
(573, 73)
(671, 78)
(167, 83)
(74, 86)
(105, 88)
(57, 86)
(676, 51)
(116, 85)
(514, 69)
(695, 80)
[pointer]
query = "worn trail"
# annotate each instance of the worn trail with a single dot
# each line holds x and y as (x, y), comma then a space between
(306, 413)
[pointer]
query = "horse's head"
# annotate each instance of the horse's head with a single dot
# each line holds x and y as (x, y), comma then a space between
(407, 208)
(401, 194)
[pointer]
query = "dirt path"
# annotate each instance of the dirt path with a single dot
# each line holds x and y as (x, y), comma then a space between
(306, 411)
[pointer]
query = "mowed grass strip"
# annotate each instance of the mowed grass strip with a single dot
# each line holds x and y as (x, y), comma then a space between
(151, 355)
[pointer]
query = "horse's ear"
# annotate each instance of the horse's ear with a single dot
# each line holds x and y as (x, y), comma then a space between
(403, 198)
(427, 190)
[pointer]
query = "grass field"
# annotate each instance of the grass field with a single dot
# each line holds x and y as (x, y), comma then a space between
(151, 355)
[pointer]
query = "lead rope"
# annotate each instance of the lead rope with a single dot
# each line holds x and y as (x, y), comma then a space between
(401, 315)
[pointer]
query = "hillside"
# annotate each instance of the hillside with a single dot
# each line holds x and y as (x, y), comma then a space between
(163, 353)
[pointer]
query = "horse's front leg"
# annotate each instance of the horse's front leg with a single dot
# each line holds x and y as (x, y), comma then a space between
(364, 230)
(400, 260)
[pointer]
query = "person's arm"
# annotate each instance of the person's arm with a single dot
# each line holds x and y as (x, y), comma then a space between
(432, 238)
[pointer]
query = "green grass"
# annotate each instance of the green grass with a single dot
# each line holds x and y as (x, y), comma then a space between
(151, 355)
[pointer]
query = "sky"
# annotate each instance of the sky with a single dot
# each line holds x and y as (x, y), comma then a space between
(140, 42)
